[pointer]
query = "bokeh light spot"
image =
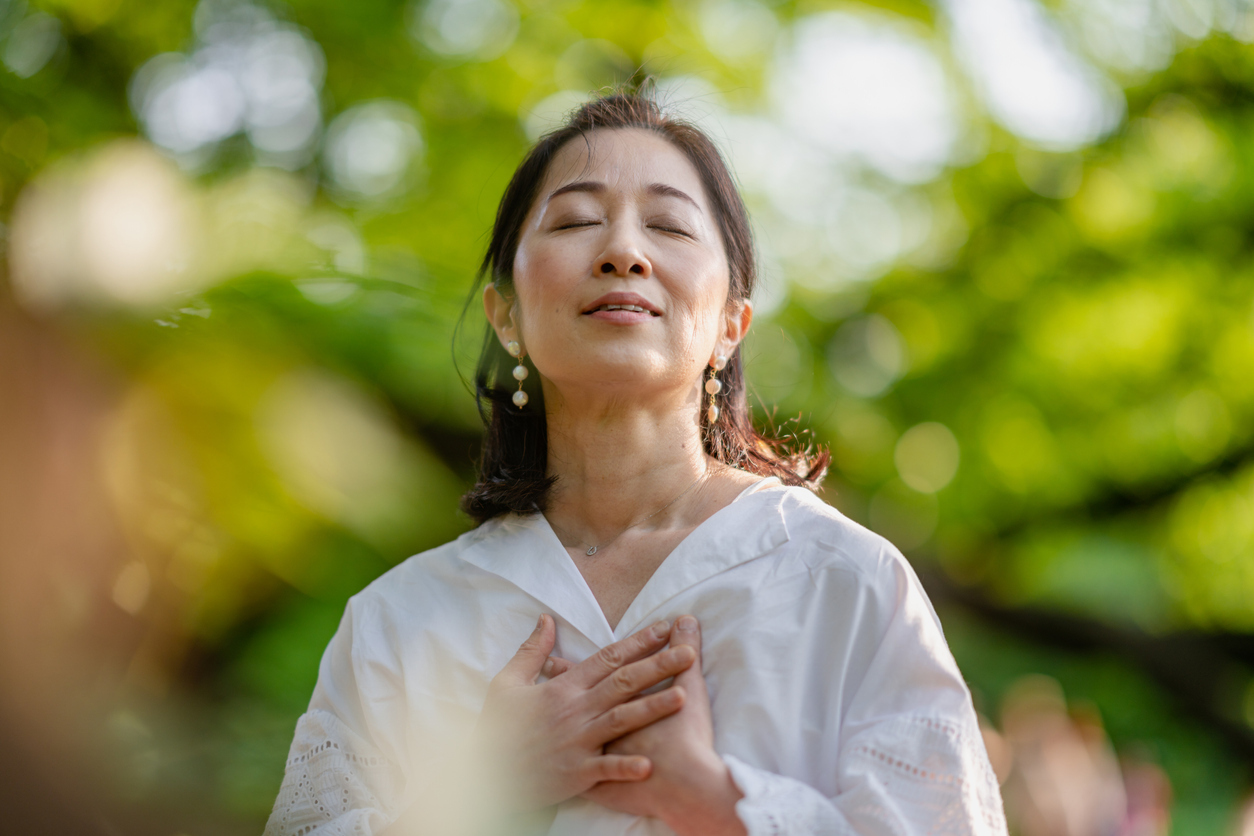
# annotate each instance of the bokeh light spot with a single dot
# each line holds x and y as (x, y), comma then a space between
(868, 88)
(1034, 84)
(371, 148)
(31, 44)
(867, 356)
(476, 29)
(927, 456)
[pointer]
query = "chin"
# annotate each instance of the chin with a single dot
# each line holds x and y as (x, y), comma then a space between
(616, 372)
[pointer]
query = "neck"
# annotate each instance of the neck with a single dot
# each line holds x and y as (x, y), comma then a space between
(616, 466)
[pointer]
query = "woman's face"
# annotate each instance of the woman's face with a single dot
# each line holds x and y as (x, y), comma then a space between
(620, 277)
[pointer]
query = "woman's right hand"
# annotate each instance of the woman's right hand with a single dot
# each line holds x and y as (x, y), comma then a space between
(547, 739)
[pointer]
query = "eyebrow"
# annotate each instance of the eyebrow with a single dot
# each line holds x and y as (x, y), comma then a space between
(594, 187)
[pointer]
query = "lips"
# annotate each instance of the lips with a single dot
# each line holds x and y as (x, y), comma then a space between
(635, 308)
(622, 306)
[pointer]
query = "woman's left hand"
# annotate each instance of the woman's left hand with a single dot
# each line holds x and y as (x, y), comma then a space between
(690, 788)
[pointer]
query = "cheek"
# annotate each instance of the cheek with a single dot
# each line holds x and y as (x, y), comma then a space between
(534, 286)
(705, 298)
(544, 273)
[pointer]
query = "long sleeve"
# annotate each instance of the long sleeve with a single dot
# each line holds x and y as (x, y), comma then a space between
(342, 775)
(911, 758)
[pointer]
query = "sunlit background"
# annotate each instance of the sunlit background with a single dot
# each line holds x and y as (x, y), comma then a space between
(1009, 280)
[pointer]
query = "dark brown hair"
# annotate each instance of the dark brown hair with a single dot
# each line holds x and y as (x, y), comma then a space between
(513, 473)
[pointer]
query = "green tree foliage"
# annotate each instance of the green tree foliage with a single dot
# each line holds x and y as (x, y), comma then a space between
(1033, 361)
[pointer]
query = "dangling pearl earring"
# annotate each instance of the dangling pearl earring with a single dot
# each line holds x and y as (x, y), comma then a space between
(713, 386)
(520, 372)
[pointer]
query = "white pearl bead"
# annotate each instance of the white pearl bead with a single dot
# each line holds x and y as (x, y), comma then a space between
(513, 348)
(712, 413)
(720, 363)
(714, 386)
(520, 399)
(520, 372)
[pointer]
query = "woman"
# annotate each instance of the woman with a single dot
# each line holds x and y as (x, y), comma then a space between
(623, 492)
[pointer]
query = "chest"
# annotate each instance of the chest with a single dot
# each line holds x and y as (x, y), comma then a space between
(619, 571)
(776, 657)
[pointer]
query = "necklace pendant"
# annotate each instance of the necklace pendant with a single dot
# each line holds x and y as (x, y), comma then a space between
(592, 550)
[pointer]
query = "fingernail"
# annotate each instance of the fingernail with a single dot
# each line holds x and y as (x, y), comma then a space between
(686, 623)
(540, 623)
(661, 630)
(547, 670)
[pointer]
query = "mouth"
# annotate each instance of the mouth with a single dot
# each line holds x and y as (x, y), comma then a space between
(633, 308)
(622, 306)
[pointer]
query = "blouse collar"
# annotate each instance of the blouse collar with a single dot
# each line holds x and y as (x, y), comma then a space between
(524, 551)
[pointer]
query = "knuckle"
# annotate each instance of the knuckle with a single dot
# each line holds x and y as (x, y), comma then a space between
(621, 681)
(612, 656)
(648, 640)
(616, 723)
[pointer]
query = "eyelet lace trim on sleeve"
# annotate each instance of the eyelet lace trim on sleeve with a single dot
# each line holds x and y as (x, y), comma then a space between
(908, 776)
(936, 770)
(778, 806)
(335, 783)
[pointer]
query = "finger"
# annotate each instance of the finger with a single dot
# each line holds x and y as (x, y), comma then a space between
(617, 768)
(628, 681)
(612, 657)
(687, 632)
(525, 667)
(556, 666)
(635, 715)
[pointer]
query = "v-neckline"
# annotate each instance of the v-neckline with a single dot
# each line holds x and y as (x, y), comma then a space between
(669, 578)
(523, 551)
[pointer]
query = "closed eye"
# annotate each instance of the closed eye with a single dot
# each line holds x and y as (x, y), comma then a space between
(577, 224)
(674, 230)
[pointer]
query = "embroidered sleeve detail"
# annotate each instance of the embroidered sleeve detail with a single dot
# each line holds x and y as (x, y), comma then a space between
(908, 776)
(335, 783)
(935, 771)
(775, 805)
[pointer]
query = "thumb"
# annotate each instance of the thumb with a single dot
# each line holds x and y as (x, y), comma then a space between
(525, 667)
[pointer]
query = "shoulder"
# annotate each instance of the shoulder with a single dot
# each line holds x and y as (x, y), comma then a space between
(434, 572)
(824, 537)
(853, 558)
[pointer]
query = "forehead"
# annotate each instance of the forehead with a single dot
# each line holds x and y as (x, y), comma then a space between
(624, 159)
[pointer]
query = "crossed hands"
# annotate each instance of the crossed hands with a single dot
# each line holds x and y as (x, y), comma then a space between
(589, 730)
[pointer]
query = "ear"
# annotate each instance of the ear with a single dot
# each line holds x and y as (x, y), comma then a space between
(500, 312)
(736, 321)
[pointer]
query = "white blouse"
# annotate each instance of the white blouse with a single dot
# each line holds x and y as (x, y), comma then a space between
(837, 705)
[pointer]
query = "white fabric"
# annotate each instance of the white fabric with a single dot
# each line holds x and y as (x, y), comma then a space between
(837, 705)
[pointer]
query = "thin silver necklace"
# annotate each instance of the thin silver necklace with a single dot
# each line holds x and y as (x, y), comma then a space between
(594, 549)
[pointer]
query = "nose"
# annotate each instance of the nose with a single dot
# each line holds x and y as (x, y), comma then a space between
(623, 255)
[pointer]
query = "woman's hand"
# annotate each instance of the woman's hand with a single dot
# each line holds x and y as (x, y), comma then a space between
(547, 740)
(690, 788)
